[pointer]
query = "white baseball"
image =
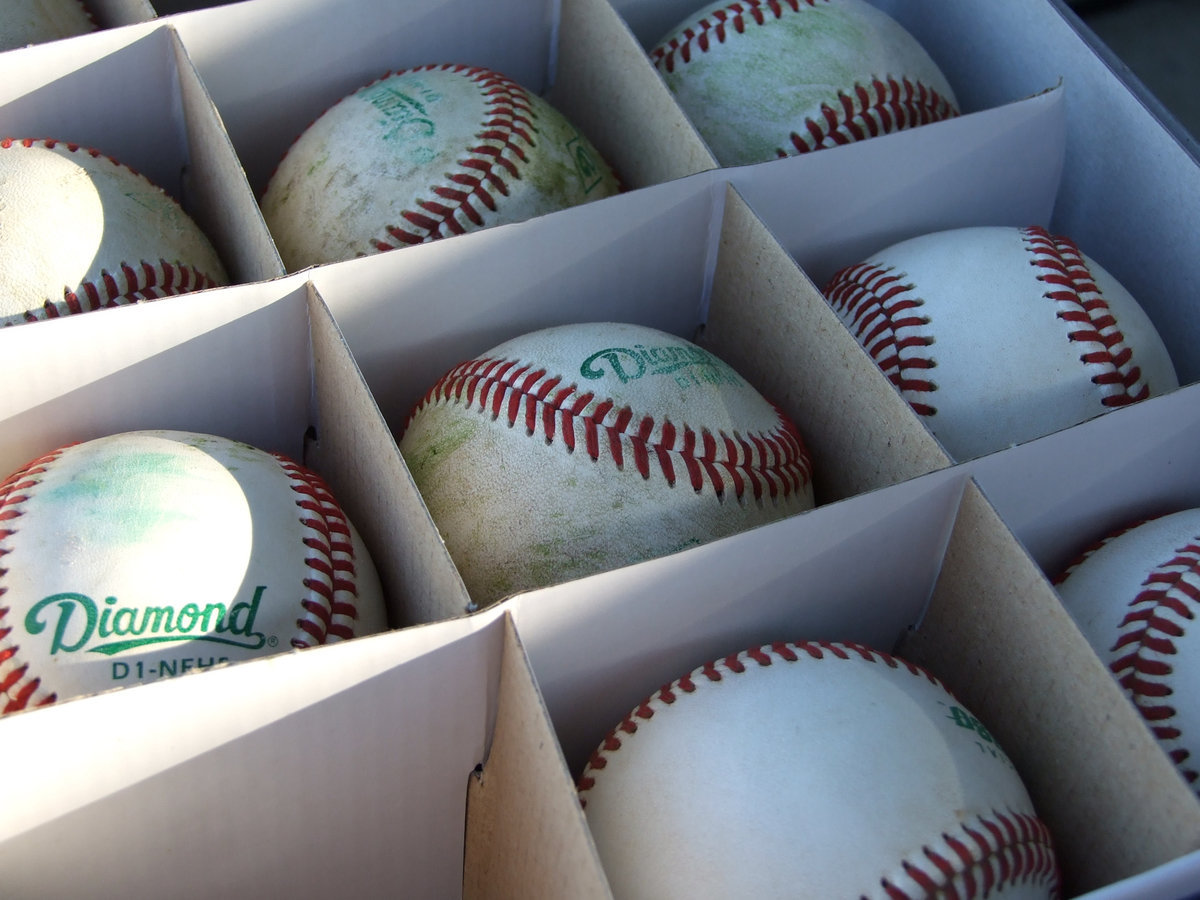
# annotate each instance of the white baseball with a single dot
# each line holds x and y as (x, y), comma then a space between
(1135, 597)
(811, 770)
(145, 555)
(36, 21)
(760, 79)
(998, 335)
(581, 448)
(422, 154)
(81, 231)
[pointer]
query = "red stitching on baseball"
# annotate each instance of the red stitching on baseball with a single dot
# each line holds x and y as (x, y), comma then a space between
(19, 691)
(146, 281)
(867, 111)
(774, 464)
(1003, 848)
(717, 24)
(878, 303)
(507, 133)
(1157, 617)
(330, 601)
(1087, 316)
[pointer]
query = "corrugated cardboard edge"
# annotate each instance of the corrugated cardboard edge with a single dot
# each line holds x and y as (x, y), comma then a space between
(526, 835)
(996, 633)
(607, 87)
(215, 183)
(364, 467)
(768, 321)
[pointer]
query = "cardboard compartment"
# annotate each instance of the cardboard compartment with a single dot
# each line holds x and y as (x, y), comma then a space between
(996, 630)
(1062, 492)
(237, 362)
(648, 258)
(133, 94)
(691, 258)
(946, 586)
(339, 771)
(268, 93)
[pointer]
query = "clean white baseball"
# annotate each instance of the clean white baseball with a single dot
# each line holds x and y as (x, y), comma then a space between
(145, 555)
(581, 448)
(997, 335)
(36, 21)
(425, 153)
(81, 231)
(811, 770)
(1135, 596)
(761, 79)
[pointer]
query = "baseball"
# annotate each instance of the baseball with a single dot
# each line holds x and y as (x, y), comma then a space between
(146, 555)
(761, 79)
(421, 154)
(35, 21)
(1135, 596)
(998, 335)
(581, 448)
(81, 231)
(811, 770)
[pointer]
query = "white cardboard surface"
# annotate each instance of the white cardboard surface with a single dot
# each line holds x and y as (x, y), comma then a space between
(233, 362)
(340, 771)
(1000, 166)
(1122, 181)
(859, 570)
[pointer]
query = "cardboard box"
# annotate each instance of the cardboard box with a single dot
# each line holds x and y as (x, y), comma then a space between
(438, 759)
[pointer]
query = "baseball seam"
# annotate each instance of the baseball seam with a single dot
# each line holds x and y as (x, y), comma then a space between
(882, 107)
(762, 464)
(716, 27)
(983, 855)
(1156, 618)
(132, 283)
(879, 303)
(507, 134)
(1088, 318)
(19, 689)
(886, 104)
(330, 602)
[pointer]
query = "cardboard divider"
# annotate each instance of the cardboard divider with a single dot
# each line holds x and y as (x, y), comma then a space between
(604, 82)
(769, 322)
(526, 836)
(410, 315)
(352, 443)
(336, 771)
(1062, 492)
(996, 633)
(136, 98)
(234, 362)
(861, 569)
(1001, 166)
